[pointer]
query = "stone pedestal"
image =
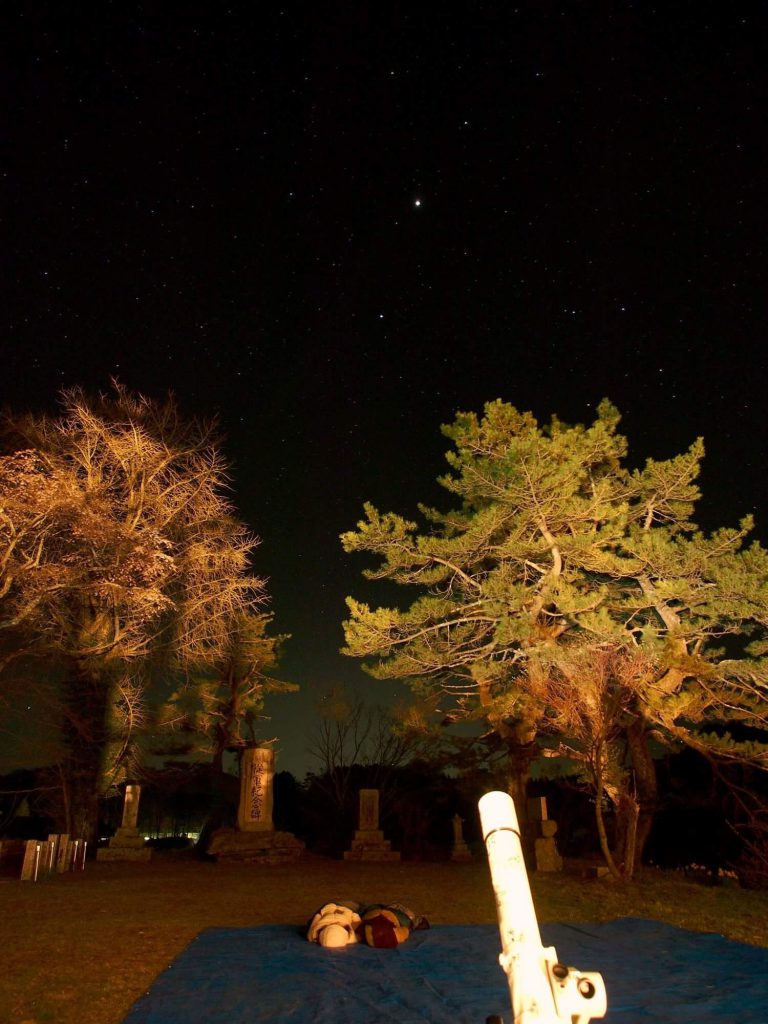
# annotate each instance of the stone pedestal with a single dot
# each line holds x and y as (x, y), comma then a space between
(255, 839)
(229, 844)
(369, 842)
(127, 843)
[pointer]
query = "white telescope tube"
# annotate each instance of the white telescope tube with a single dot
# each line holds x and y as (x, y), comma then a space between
(542, 990)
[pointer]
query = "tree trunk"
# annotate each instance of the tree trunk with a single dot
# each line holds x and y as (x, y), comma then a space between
(627, 814)
(520, 757)
(86, 735)
(646, 787)
(602, 834)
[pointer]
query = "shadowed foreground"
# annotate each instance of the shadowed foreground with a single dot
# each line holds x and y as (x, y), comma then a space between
(81, 948)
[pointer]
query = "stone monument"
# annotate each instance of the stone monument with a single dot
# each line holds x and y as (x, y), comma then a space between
(459, 851)
(545, 847)
(369, 842)
(127, 843)
(255, 838)
(257, 772)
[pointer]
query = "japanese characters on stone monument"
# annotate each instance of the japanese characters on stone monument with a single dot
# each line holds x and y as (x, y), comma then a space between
(257, 773)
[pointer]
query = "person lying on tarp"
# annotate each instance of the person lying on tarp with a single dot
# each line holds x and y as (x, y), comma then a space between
(384, 925)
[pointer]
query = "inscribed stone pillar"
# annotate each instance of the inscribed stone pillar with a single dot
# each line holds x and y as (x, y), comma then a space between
(257, 770)
(369, 842)
(369, 810)
(131, 806)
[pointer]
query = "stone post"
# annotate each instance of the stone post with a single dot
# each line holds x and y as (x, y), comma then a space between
(545, 846)
(257, 772)
(460, 850)
(368, 815)
(127, 843)
(131, 805)
(369, 842)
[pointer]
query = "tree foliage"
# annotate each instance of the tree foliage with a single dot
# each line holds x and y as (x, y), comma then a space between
(571, 594)
(218, 708)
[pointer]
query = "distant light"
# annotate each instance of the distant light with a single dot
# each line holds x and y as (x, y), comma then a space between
(417, 202)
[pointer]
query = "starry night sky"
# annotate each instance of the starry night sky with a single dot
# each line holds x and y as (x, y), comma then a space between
(335, 225)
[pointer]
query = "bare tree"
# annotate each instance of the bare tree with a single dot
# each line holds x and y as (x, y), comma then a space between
(117, 539)
(350, 733)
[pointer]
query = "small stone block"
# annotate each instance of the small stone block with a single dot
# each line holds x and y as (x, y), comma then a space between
(597, 871)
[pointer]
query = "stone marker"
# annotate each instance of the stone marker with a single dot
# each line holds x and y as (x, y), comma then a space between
(460, 851)
(47, 861)
(79, 846)
(545, 848)
(131, 806)
(369, 842)
(127, 843)
(255, 838)
(63, 855)
(53, 846)
(368, 815)
(31, 863)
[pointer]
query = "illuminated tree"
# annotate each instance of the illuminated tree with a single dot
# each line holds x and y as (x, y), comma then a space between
(117, 542)
(569, 594)
(217, 708)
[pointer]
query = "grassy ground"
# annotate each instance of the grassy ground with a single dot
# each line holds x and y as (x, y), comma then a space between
(80, 948)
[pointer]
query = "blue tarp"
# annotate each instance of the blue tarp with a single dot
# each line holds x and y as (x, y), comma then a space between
(654, 974)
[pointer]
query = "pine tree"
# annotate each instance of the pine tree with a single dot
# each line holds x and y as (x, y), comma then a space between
(568, 594)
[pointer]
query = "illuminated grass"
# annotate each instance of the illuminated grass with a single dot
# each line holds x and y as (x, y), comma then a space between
(80, 948)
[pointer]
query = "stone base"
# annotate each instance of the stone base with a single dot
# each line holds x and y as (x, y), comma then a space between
(118, 853)
(461, 852)
(370, 844)
(372, 853)
(126, 844)
(229, 844)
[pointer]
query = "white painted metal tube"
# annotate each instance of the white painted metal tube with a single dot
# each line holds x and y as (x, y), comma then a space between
(542, 990)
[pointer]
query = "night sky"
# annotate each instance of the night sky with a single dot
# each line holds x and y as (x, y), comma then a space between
(335, 225)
